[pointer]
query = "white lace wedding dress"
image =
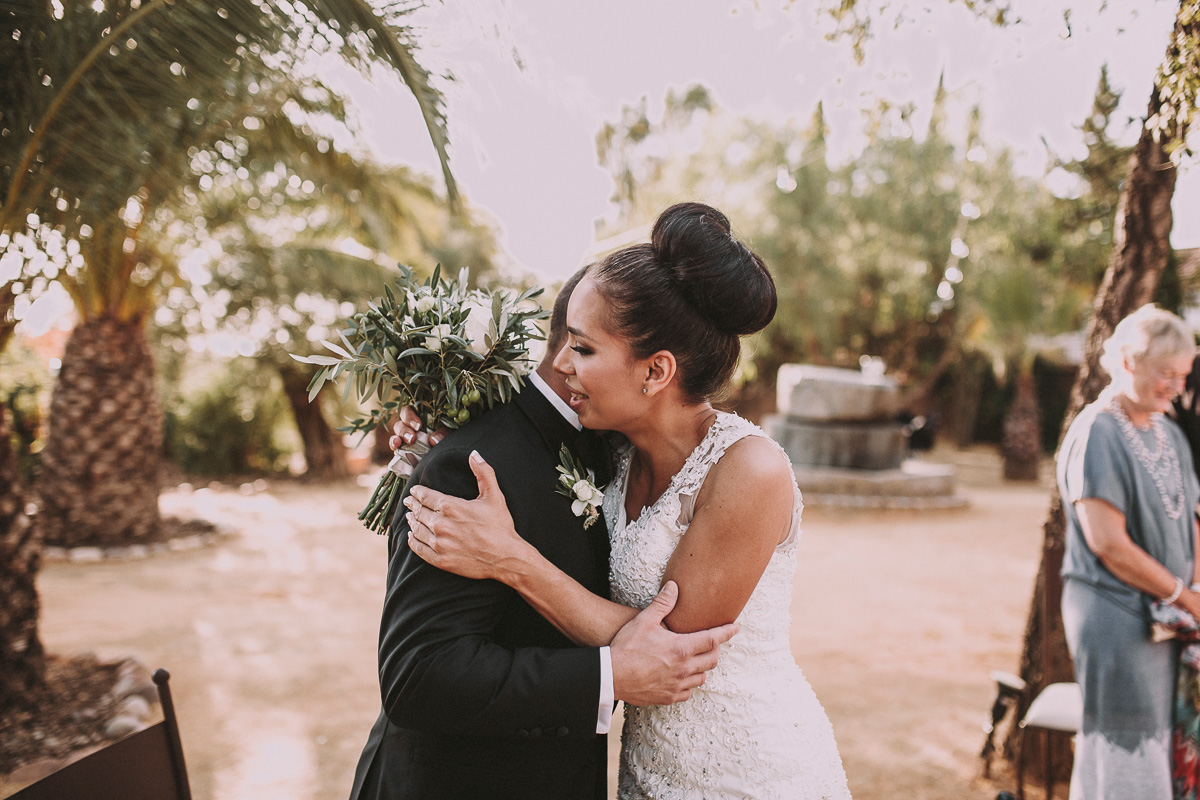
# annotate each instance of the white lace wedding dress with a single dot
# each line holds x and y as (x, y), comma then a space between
(755, 729)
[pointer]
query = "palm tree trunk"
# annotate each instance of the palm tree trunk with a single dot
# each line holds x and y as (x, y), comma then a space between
(100, 469)
(323, 447)
(1141, 247)
(1022, 442)
(22, 660)
(968, 391)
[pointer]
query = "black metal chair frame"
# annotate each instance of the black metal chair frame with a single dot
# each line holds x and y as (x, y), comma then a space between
(147, 765)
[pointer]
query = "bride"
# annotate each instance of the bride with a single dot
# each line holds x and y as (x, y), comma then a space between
(699, 497)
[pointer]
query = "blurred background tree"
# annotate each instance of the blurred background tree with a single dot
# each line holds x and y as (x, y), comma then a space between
(277, 281)
(927, 252)
(117, 117)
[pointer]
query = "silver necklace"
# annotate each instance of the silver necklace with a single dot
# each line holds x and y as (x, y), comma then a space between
(1162, 464)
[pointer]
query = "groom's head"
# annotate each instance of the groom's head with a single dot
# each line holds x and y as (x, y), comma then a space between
(558, 334)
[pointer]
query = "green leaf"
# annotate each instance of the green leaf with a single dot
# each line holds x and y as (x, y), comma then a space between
(314, 388)
(336, 349)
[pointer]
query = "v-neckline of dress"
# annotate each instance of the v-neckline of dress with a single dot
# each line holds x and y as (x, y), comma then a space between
(623, 519)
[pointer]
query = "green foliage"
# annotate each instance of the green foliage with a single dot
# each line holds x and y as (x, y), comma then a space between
(433, 346)
(1086, 216)
(855, 20)
(231, 425)
(445, 351)
(911, 250)
(25, 393)
(1177, 85)
(115, 118)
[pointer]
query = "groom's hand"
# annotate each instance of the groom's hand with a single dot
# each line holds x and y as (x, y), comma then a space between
(652, 665)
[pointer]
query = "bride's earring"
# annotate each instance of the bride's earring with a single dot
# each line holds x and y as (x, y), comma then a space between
(643, 390)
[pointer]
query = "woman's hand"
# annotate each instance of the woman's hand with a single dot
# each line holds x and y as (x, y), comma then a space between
(472, 538)
(1189, 601)
(407, 430)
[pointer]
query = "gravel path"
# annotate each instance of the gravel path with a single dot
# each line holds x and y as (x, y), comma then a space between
(269, 633)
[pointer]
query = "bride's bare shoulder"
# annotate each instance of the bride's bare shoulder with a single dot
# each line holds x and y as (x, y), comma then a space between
(756, 465)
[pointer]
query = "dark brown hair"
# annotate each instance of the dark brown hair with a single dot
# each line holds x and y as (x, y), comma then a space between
(692, 291)
(558, 314)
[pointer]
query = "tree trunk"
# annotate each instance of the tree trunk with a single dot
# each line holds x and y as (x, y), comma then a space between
(1022, 443)
(22, 660)
(324, 449)
(1141, 246)
(100, 470)
(968, 391)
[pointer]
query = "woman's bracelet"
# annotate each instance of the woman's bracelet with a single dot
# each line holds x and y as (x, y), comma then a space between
(1171, 598)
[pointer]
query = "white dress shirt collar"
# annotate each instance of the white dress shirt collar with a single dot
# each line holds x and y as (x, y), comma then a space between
(556, 401)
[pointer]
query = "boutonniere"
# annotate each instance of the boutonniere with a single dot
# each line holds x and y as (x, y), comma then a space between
(579, 485)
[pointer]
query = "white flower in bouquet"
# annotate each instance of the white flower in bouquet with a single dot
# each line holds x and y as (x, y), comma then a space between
(479, 318)
(437, 337)
(424, 304)
(446, 352)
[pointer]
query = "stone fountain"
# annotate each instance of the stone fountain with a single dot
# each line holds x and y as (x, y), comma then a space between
(840, 430)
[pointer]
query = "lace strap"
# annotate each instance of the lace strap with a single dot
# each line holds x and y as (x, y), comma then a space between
(727, 429)
(724, 433)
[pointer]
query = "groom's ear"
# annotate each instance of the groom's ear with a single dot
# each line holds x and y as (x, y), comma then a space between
(660, 371)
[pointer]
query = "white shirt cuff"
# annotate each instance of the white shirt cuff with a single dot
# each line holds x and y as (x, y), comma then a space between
(604, 717)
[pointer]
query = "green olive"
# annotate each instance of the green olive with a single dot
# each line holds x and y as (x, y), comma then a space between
(473, 397)
(462, 417)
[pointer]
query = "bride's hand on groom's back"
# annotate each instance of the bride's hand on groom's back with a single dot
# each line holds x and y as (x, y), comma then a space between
(653, 666)
(472, 538)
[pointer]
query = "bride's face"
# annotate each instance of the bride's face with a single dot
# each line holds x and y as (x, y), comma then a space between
(603, 376)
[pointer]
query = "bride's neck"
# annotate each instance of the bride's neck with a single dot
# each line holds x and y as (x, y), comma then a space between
(664, 439)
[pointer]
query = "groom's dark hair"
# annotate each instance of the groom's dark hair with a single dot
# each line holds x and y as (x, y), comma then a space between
(558, 315)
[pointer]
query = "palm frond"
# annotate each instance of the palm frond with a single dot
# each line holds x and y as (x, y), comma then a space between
(103, 113)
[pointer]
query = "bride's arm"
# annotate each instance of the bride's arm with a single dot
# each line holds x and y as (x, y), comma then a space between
(743, 512)
(477, 539)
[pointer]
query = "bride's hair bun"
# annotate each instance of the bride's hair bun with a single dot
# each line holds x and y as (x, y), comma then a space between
(692, 291)
(719, 276)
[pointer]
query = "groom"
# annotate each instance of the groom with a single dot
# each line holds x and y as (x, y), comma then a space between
(482, 698)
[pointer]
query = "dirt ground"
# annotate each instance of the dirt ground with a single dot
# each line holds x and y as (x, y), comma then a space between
(269, 635)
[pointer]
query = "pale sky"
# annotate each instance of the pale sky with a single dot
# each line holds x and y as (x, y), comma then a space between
(524, 139)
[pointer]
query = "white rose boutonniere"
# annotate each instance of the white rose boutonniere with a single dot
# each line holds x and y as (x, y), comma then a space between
(579, 484)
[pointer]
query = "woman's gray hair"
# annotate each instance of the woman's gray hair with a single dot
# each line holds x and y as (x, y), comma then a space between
(1149, 332)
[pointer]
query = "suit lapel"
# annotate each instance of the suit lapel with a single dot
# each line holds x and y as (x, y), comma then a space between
(585, 445)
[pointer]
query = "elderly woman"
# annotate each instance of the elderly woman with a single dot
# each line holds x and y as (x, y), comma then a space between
(1129, 490)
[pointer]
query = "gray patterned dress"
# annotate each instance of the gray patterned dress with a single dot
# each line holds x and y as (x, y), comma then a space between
(1128, 682)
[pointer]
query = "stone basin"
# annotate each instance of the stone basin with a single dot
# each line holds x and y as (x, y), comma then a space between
(829, 394)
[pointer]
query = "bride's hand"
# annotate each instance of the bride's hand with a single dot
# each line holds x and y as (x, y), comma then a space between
(408, 430)
(472, 538)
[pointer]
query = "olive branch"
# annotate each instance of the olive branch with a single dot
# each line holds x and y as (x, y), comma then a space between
(446, 351)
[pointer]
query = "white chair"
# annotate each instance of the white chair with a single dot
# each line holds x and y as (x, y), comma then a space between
(1009, 688)
(1058, 708)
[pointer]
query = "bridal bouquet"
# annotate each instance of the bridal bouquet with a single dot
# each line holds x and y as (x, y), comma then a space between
(445, 351)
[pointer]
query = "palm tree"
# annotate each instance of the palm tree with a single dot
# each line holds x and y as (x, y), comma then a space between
(111, 114)
(123, 113)
(22, 662)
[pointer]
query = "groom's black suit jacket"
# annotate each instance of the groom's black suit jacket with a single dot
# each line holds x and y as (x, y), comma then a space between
(482, 698)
